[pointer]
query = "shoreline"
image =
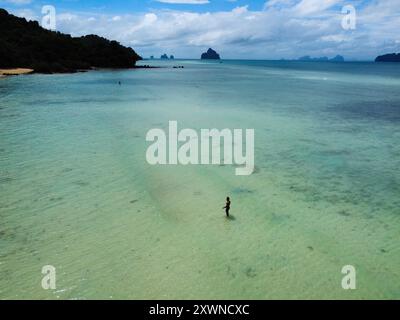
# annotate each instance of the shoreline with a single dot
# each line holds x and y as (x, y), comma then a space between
(15, 72)
(22, 71)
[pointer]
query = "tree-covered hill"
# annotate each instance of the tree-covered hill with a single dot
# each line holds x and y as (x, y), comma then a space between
(391, 57)
(25, 44)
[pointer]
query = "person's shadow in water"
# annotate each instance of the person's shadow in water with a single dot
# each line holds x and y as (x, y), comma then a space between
(231, 218)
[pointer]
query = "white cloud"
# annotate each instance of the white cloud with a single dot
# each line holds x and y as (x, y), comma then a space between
(28, 14)
(66, 17)
(307, 7)
(18, 2)
(283, 28)
(335, 38)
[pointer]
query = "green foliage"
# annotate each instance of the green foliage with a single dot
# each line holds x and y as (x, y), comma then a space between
(25, 44)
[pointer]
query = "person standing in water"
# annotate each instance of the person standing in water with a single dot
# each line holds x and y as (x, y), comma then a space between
(227, 206)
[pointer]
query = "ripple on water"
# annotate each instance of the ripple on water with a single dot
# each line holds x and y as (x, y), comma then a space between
(6, 179)
(81, 183)
(241, 190)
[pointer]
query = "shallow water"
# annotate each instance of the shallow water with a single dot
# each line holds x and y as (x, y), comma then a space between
(77, 193)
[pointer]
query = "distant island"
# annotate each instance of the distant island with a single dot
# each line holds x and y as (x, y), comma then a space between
(165, 57)
(210, 55)
(26, 45)
(338, 58)
(391, 57)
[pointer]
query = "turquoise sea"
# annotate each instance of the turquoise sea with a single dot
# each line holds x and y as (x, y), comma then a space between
(77, 193)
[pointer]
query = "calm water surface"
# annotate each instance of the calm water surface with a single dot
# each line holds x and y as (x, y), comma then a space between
(77, 193)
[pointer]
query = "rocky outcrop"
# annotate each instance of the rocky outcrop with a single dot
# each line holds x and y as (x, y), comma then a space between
(338, 58)
(391, 57)
(165, 57)
(210, 55)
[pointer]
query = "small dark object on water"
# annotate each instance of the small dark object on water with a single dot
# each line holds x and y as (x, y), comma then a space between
(344, 213)
(146, 66)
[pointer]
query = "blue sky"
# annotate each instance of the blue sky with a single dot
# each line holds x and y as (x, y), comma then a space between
(136, 6)
(255, 29)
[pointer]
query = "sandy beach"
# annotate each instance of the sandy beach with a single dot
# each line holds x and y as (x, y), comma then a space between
(14, 72)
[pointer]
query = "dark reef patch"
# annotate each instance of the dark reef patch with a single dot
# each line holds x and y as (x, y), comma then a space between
(56, 199)
(333, 152)
(251, 273)
(240, 190)
(344, 213)
(385, 110)
(230, 272)
(279, 217)
(7, 234)
(81, 183)
(301, 189)
(6, 179)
